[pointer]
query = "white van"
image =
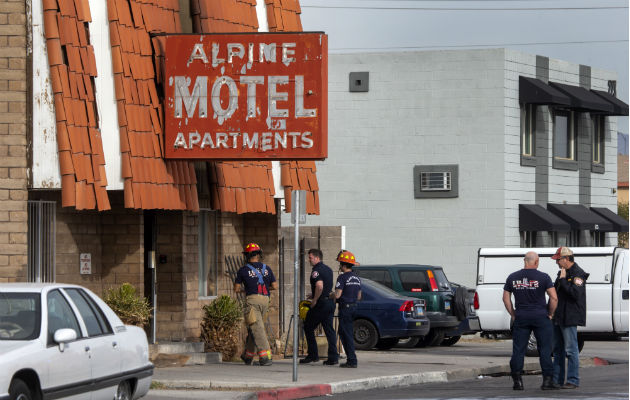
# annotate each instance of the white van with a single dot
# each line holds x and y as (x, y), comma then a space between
(606, 288)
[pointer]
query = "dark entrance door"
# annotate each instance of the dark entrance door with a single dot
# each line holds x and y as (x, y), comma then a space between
(150, 274)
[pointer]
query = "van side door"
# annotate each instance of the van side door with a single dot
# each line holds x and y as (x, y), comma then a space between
(620, 292)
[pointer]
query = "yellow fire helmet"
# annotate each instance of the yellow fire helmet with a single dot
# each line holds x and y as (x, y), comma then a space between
(304, 306)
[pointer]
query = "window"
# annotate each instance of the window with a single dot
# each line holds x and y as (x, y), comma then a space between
(41, 241)
(528, 119)
(378, 275)
(208, 273)
(92, 315)
(564, 140)
(528, 238)
(20, 316)
(599, 238)
(597, 145)
(414, 281)
(435, 181)
(60, 316)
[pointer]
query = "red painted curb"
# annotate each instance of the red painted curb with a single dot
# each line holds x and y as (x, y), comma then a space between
(600, 361)
(300, 392)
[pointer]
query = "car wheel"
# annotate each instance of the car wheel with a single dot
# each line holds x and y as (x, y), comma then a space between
(365, 334)
(449, 341)
(124, 391)
(386, 344)
(18, 390)
(409, 342)
(433, 338)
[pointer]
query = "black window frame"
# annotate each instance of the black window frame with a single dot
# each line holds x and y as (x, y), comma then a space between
(570, 164)
(598, 138)
(528, 128)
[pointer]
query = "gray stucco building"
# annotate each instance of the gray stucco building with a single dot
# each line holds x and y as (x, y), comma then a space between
(435, 154)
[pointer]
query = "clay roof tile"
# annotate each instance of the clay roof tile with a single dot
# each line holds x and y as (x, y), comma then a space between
(65, 163)
(63, 140)
(55, 56)
(51, 27)
(68, 194)
(128, 193)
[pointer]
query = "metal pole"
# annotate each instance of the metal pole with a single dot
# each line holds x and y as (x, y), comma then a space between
(296, 205)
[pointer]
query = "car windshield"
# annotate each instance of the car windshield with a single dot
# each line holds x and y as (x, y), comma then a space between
(20, 316)
(380, 289)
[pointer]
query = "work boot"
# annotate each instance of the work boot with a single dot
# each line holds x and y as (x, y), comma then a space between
(264, 361)
(548, 383)
(309, 360)
(246, 360)
(518, 382)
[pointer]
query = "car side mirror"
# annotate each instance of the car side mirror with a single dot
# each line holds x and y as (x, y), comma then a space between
(63, 336)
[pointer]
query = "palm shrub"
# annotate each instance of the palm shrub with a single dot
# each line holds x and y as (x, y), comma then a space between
(220, 326)
(130, 308)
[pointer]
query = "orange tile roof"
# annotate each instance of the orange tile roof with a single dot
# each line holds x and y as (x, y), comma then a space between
(284, 16)
(240, 186)
(150, 182)
(81, 160)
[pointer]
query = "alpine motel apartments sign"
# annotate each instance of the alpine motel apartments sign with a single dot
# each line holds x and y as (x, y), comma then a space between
(246, 96)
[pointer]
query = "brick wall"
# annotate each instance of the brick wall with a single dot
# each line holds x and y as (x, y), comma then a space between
(325, 238)
(114, 239)
(13, 130)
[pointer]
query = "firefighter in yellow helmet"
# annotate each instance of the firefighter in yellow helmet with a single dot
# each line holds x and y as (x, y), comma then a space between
(256, 280)
(347, 292)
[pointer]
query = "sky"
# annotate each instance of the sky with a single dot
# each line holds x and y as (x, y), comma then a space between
(589, 32)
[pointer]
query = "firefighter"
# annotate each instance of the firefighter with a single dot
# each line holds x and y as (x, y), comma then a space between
(347, 292)
(322, 310)
(256, 280)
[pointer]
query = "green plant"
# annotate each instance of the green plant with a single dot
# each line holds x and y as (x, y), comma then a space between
(622, 210)
(130, 308)
(220, 326)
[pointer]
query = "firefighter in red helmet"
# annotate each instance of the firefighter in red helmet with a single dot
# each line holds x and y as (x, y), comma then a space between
(256, 280)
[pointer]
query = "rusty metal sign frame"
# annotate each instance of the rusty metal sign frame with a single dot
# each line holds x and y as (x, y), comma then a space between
(246, 96)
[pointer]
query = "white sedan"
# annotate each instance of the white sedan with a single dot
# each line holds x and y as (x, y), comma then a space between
(63, 341)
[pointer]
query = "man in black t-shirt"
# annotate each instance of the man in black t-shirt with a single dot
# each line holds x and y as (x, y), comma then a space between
(322, 310)
(532, 313)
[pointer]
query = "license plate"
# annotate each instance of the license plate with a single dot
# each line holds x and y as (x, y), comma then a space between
(447, 305)
(418, 323)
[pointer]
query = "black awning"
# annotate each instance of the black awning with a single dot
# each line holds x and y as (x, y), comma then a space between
(619, 107)
(533, 217)
(620, 224)
(535, 91)
(581, 218)
(582, 99)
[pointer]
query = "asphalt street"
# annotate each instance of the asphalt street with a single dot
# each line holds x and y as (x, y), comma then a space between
(599, 382)
(602, 382)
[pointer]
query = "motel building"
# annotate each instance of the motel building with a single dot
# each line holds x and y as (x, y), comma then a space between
(132, 153)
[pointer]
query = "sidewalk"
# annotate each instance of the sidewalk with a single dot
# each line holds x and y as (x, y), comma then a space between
(377, 369)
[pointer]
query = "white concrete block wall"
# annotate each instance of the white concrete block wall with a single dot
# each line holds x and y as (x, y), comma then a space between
(437, 107)
(520, 182)
(423, 108)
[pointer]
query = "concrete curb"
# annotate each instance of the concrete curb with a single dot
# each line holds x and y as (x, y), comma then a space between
(274, 391)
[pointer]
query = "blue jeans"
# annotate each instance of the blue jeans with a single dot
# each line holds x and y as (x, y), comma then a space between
(346, 318)
(542, 328)
(565, 346)
(323, 313)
